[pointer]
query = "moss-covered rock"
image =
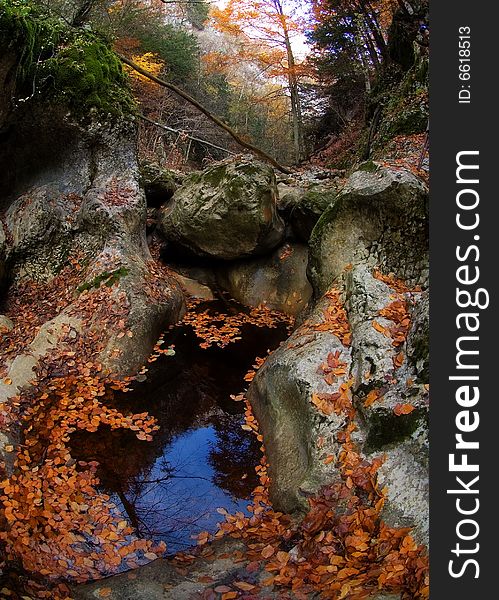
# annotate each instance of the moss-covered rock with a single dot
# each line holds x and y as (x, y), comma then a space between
(88, 75)
(380, 218)
(107, 278)
(302, 206)
(61, 64)
(227, 211)
(403, 105)
(282, 396)
(159, 183)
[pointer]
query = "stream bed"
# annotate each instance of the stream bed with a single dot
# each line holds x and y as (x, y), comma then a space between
(200, 459)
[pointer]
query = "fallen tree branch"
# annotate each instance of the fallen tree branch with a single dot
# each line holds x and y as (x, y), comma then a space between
(170, 86)
(191, 137)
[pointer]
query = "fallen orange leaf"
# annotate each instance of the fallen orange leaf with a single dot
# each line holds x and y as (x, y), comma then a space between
(403, 409)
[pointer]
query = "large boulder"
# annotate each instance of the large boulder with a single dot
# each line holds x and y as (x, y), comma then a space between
(379, 218)
(227, 211)
(284, 397)
(279, 281)
(371, 238)
(281, 396)
(379, 366)
(79, 212)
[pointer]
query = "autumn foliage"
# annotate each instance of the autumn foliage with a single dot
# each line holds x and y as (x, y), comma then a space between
(59, 526)
(221, 328)
(55, 524)
(342, 548)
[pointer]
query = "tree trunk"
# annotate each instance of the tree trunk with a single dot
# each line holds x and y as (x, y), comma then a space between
(373, 25)
(296, 111)
(81, 15)
(365, 35)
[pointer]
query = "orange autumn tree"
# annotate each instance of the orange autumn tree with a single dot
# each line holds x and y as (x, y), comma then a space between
(266, 32)
(256, 106)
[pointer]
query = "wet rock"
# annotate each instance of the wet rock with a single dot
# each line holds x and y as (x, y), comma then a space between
(162, 579)
(202, 274)
(194, 288)
(278, 281)
(380, 219)
(227, 211)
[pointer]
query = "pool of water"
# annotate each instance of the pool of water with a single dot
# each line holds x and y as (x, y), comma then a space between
(200, 459)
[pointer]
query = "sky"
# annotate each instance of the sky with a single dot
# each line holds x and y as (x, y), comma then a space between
(300, 46)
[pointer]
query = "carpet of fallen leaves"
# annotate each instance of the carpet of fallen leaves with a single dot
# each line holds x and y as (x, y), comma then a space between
(334, 319)
(342, 549)
(54, 523)
(340, 401)
(398, 313)
(32, 303)
(220, 328)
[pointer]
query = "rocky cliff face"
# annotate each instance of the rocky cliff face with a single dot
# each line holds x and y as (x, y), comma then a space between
(369, 258)
(73, 218)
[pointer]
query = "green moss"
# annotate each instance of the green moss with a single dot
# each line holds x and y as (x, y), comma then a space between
(213, 176)
(30, 32)
(387, 428)
(90, 76)
(317, 200)
(157, 179)
(63, 64)
(368, 167)
(405, 106)
(107, 278)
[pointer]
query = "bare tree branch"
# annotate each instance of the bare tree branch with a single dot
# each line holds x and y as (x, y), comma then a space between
(192, 137)
(170, 86)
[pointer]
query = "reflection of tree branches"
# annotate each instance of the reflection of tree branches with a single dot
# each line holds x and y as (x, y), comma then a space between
(232, 456)
(162, 520)
(169, 478)
(145, 501)
(130, 511)
(159, 486)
